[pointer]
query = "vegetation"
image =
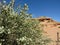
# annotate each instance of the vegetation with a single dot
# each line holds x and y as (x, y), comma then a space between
(17, 28)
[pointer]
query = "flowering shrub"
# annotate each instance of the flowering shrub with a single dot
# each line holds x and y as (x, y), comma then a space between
(17, 28)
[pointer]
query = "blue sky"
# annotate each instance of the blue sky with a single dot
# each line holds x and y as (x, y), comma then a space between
(49, 8)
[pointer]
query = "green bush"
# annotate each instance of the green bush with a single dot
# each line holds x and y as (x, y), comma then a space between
(17, 28)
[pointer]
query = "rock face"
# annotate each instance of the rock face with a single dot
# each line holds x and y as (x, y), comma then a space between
(51, 28)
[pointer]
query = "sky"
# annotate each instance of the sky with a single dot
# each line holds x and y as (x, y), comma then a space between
(49, 8)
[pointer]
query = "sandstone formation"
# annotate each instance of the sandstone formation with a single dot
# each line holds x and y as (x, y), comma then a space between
(51, 29)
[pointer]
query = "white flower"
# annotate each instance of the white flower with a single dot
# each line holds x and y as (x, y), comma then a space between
(9, 31)
(6, 8)
(3, 6)
(17, 39)
(0, 44)
(42, 42)
(2, 26)
(1, 29)
(1, 18)
(30, 39)
(23, 38)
